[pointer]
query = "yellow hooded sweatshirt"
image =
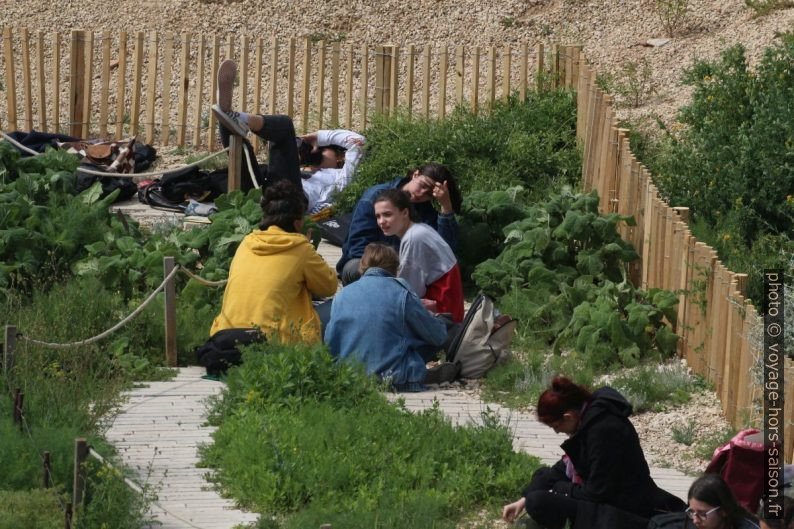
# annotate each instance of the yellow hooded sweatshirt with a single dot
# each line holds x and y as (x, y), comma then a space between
(271, 279)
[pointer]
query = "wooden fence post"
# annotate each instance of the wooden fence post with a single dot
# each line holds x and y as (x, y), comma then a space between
(76, 82)
(78, 484)
(10, 342)
(17, 412)
(170, 310)
(539, 66)
(383, 71)
(45, 481)
(11, 79)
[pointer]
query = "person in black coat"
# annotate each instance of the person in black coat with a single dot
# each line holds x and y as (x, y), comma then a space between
(603, 480)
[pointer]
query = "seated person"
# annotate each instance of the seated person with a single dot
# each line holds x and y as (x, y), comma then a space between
(332, 155)
(427, 263)
(713, 506)
(603, 479)
(378, 321)
(274, 273)
(431, 181)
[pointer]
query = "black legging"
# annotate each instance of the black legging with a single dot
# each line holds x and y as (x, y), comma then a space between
(547, 508)
(283, 153)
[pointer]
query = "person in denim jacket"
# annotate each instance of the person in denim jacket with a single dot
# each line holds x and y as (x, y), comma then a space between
(380, 322)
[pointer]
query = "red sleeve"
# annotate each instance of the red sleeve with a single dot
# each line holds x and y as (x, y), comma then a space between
(447, 292)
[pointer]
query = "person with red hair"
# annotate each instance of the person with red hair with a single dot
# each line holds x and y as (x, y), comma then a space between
(603, 480)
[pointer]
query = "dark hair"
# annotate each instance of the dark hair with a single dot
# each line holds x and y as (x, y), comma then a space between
(440, 173)
(379, 255)
(712, 489)
(786, 521)
(308, 156)
(282, 204)
(562, 396)
(400, 199)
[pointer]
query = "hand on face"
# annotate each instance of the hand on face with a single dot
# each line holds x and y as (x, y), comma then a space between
(441, 193)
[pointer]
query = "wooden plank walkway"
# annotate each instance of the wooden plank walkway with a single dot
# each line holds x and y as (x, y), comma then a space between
(157, 434)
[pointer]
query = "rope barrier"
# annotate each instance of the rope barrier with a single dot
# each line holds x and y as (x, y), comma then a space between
(201, 280)
(123, 175)
(112, 329)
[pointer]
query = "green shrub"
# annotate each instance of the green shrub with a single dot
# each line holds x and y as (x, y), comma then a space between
(531, 144)
(764, 7)
(565, 263)
(31, 509)
(110, 502)
(653, 387)
(309, 440)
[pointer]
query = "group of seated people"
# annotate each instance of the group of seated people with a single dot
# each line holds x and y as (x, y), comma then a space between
(399, 272)
(402, 280)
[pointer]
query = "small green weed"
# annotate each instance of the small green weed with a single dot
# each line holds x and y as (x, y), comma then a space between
(704, 448)
(635, 85)
(672, 14)
(684, 433)
(508, 22)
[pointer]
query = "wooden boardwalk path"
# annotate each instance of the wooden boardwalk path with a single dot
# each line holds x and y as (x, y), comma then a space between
(159, 429)
(157, 434)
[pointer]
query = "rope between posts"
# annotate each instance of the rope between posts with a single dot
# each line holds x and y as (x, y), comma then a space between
(112, 329)
(203, 281)
(137, 488)
(122, 175)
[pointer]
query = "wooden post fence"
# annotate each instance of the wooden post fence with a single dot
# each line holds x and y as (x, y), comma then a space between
(78, 483)
(170, 313)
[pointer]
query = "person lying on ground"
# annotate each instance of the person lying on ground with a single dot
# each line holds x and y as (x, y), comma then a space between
(274, 273)
(432, 181)
(427, 263)
(603, 480)
(380, 322)
(331, 155)
(713, 506)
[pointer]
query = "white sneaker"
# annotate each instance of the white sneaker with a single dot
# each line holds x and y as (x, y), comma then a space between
(231, 120)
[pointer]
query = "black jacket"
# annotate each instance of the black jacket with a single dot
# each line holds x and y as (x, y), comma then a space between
(605, 451)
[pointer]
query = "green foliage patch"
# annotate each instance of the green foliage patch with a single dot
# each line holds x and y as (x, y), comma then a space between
(566, 263)
(305, 439)
(531, 144)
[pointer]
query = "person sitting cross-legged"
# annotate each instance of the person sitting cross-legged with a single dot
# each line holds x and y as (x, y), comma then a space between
(331, 156)
(380, 322)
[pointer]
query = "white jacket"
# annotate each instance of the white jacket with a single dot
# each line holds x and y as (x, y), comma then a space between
(323, 183)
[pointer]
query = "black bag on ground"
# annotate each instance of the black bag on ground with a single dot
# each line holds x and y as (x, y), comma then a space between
(335, 229)
(220, 352)
(85, 180)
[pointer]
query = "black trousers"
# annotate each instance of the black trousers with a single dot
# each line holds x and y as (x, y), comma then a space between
(283, 161)
(547, 508)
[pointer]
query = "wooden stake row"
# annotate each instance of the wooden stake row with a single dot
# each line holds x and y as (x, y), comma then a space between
(715, 319)
(131, 76)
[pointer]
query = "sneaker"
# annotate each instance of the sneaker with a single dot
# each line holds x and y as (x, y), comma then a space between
(443, 372)
(231, 120)
(226, 74)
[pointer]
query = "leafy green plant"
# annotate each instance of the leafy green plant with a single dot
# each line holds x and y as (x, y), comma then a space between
(705, 446)
(31, 509)
(672, 14)
(309, 440)
(566, 263)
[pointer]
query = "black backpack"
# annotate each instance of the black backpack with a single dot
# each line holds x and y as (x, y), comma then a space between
(220, 352)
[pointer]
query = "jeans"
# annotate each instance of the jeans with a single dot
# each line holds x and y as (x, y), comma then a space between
(283, 152)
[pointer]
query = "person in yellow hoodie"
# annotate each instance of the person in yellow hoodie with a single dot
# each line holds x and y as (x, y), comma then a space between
(274, 273)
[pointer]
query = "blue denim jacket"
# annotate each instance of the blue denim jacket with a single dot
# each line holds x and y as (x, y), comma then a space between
(364, 229)
(378, 321)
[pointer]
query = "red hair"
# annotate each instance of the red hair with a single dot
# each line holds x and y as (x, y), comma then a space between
(562, 396)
